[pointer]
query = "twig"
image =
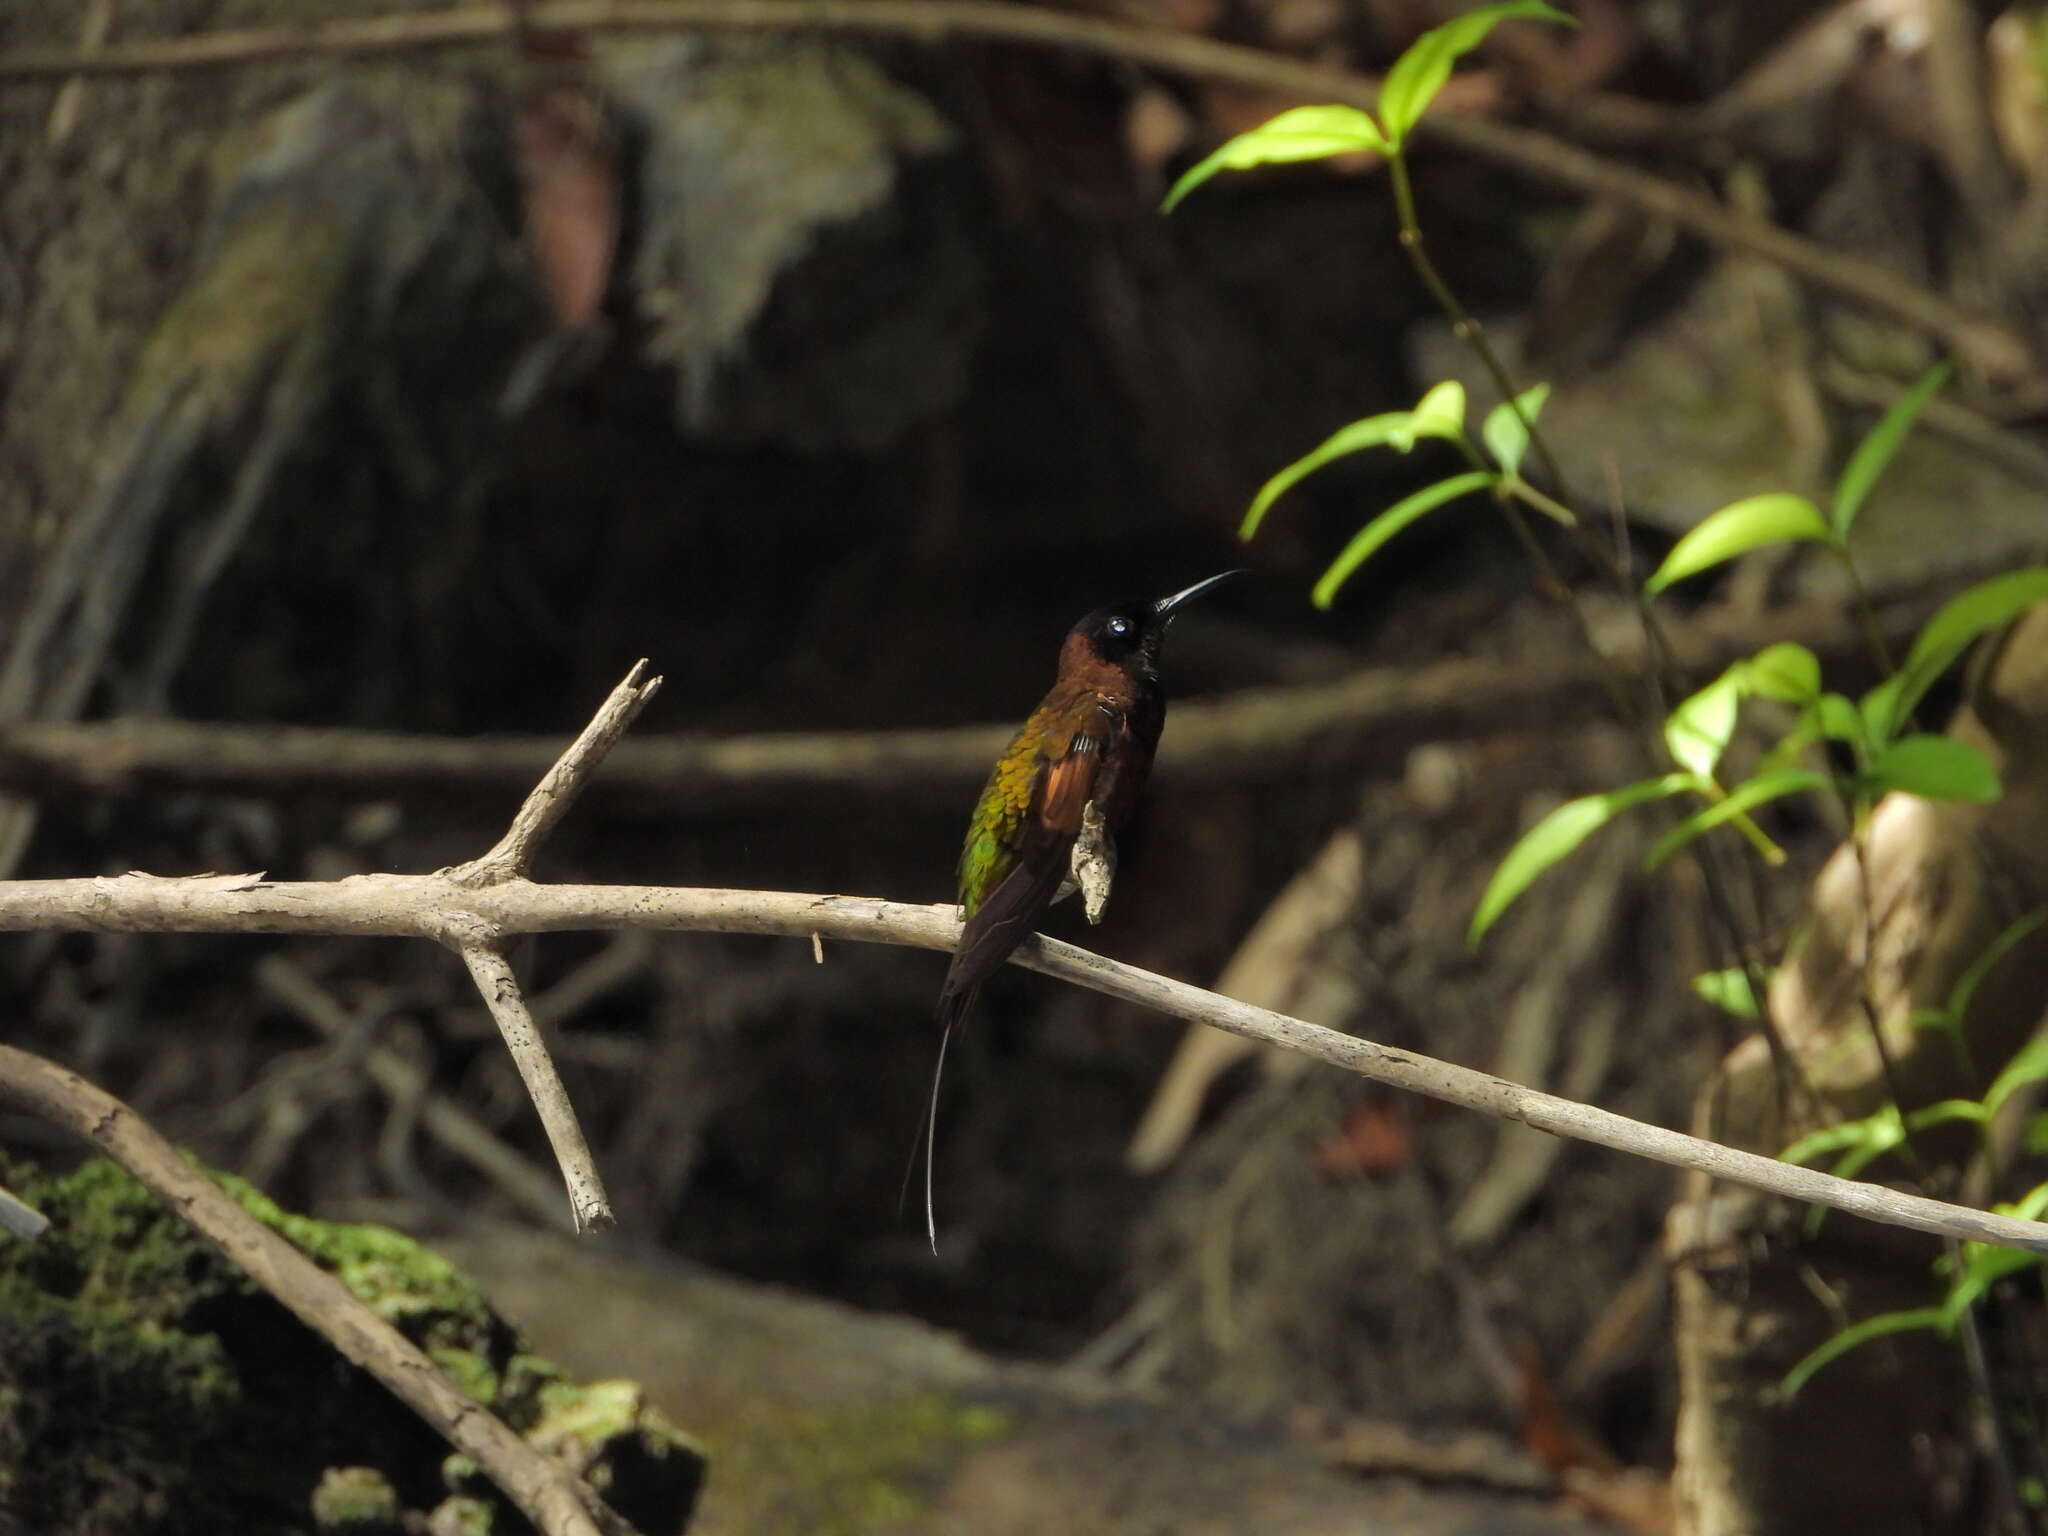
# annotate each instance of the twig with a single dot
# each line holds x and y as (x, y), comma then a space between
(1994, 349)
(447, 1122)
(21, 1219)
(1373, 718)
(560, 785)
(493, 976)
(92, 33)
(512, 859)
(429, 906)
(557, 1502)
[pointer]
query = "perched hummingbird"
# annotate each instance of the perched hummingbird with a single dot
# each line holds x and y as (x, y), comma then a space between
(1079, 762)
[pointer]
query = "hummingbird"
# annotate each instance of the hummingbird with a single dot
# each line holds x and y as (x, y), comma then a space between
(1046, 820)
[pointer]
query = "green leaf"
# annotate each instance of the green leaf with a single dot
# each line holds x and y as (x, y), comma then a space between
(1741, 800)
(1305, 133)
(1390, 522)
(1878, 1131)
(1946, 636)
(1421, 72)
(1728, 991)
(1788, 673)
(1945, 1111)
(1775, 518)
(1862, 1333)
(1964, 993)
(1699, 730)
(1505, 436)
(1558, 834)
(1950, 1108)
(2028, 1065)
(1868, 462)
(2029, 1206)
(1984, 1265)
(1936, 768)
(1839, 720)
(1440, 413)
(1372, 432)
(1880, 714)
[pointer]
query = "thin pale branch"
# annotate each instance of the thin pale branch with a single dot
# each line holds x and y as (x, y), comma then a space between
(557, 1502)
(429, 906)
(1993, 348)
(20, 1219)
(493, 976)
(560, 785)
(1371, 719)
(522, 1180)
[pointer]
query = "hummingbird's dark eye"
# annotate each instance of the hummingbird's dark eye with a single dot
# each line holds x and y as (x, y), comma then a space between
(1119, 626)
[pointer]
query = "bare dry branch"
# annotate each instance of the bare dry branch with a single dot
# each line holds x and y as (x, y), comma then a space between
(20, 1218)
(1371, 719)
(561, 784)
(1994, 349)
(512, 859)
(493, 976)
(523, 1181)
(431, 906)
(557, 1502)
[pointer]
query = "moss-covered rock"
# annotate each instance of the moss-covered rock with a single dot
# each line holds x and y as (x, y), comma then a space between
(146, 1386)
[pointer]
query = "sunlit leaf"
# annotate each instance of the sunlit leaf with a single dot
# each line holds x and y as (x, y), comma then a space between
(1421, 72)
(1944, 1112)
(1946, 636)
(1936, 768)
(2029, 1065)
(1372, 432)
(1861, 1333)
(1368, 539)
(1556, 835)
(1839, 719)
(1788, 673)
(1506, 438)
(1741, 800)
(1729, 991)
(1984, 1265)
(1305, 133)
(1868, 462)
(1440, 413)
(1777, 517)
(1699, 729)
(2029, 1206)
(1882, 1130)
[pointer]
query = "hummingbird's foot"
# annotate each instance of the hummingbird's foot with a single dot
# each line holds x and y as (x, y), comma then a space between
(1093, 862)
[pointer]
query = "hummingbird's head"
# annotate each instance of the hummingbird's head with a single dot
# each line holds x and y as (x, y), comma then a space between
(1127, 635)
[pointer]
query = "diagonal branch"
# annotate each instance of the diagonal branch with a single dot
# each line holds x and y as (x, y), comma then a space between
(555, 1500)
(21, 1219)
(430, 906)
(493, 976)
(561, 784)
(1992, 348)
(476, 941)
(524, 1182)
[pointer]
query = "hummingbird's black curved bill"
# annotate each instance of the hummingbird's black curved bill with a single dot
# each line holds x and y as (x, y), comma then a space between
(1165, 607)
